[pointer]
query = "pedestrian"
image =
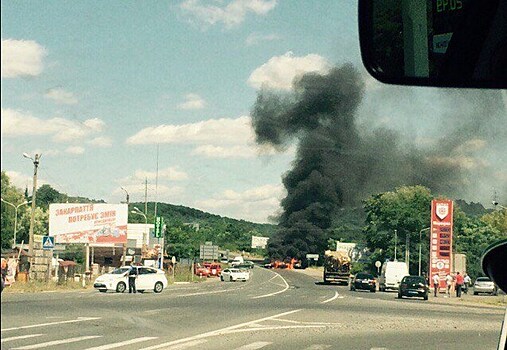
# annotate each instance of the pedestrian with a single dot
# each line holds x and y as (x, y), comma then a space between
(459, 284)
(436, 283)
(448, 284)
(132, 279)
(466, 282)
(4, 273)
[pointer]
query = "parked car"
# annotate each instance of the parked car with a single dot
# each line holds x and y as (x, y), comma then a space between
(364, 281)
(485, 285)
(235, 275)
(413, 286)
(148, 278)
(201, 270)
(213, 268)
(246, 265)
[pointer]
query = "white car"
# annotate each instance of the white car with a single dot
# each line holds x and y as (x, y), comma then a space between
(235, 275)
(148, 278)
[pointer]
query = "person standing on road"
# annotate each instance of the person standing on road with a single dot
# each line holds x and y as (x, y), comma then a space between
(459, 284)
(466, 282)
(436, 284)
(132, 279)
(448, 284)
(4, 273)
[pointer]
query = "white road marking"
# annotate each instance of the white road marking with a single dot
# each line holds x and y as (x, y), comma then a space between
(123, 343)
(57, 342)
(271, 328)
(218, 331)
(21, 337)
(79, 319)
(254, 346)
(275, 293)
(318, 347)
(305, 322)
(331, 299)
(186, 345)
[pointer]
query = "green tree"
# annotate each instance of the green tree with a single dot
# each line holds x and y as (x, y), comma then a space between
(472, 236)
(14, 195)
(47, 195)
(497, 219)
(407, 210)
(41, 223)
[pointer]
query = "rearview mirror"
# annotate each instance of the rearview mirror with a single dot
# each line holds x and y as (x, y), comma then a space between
(449, 43)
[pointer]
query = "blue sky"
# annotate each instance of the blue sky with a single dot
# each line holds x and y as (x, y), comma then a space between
(95, 85)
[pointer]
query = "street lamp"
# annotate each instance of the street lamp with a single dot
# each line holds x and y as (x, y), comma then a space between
(126, 194)
(496, 204)
(16, 207)
(35, 161)
(139, 212)
(420, 245)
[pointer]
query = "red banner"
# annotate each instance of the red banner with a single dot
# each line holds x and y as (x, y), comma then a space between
(441, 239)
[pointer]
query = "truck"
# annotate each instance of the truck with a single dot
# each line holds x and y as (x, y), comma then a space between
(336, 266)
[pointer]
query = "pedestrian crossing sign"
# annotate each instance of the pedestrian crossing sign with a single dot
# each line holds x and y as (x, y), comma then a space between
(48, 242)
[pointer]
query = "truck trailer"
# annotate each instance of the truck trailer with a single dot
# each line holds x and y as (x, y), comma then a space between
(336, 266)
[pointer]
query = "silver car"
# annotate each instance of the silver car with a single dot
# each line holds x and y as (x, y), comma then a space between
(485, 285)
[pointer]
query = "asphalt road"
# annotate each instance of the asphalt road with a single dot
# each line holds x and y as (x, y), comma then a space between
(274, 310)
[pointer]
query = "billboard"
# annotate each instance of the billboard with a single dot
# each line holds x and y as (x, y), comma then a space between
(259, 242)
(88, 223)
(441, 239)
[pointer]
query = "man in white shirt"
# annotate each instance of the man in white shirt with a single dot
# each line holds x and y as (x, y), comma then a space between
(436, 284)
(448, 283)
(466, 283)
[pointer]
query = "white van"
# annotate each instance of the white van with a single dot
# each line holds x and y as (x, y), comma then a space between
(391, 275)
(237, 261)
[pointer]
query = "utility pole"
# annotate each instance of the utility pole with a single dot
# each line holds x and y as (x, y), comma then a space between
(145, 196)
(420, 247)
(34, 192)
(407, 250)
(395, 243)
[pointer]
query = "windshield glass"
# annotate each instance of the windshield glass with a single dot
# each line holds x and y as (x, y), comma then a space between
(120, 271)
(196, 136)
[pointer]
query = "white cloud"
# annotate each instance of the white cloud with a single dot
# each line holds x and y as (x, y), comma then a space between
(24, 181)
(21, 58)
(256, 38)
(101, 141)
(280, 71)
(75, 150)
(239, 151)
(255, 204)
(212, 131)
(60, 96)
(17, 123)
(230, 14)
(192, 101)
(214, 138)
(171, 173)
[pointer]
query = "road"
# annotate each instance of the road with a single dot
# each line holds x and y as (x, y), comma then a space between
(279, 309)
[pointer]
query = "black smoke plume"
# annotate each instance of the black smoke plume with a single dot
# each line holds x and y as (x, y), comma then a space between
(336, 164)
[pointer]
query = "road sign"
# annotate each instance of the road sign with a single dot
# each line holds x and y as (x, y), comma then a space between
(378, 264)
(173, 260)
(312, 256)
(60, 247)
(48, 242)
(159, 226)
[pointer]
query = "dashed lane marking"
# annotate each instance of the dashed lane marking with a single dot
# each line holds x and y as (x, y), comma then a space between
(123, 343)
(254, 346)
(21, 337)
(57, 342)
(79, 319)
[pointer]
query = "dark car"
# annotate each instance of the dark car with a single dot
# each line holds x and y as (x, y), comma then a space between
(413, 286)
(364, 281)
